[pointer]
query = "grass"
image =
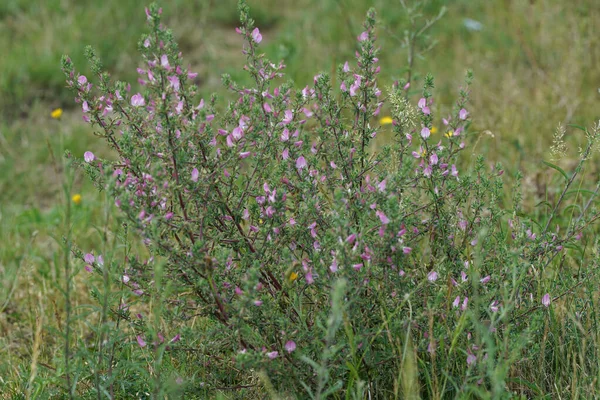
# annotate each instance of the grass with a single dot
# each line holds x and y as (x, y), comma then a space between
(535, 65)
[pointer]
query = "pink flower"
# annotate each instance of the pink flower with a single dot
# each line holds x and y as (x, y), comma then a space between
(454, 171)
(406, 250)
(456, 302)
(494, 306)
(363, 36)
(471, 359)
(351, 239)
(85, 107)
(256, 36)
(462, 114)
(301, 162)
(137, 100)
(288, 116)
(432, 276)
(346, 67)
(382, 217)
(267, 108)
(333, 267)
(433, 159)
(88, 156)
(464, 304)
(82, 80)
(141, 341)
(290, 346)
(425, 132)
(485, 279)
(244, 154)
(422, 102)
(546, 300)
(195, 175)
(272, 355)
(164, 61)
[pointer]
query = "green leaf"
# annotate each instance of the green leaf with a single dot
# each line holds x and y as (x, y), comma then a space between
(581, 128)
(583, 191)
(545, 203)
(567, 208)
(559, 169)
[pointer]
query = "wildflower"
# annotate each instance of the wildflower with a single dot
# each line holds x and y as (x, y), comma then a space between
(462, 114)
(89, 258)
(386, 120)
(464, 304)
(382, 217)
(433, 130)
(293, 276)
(256, 36)
(333, 267)
(56, 113)
(432, 276)
(494, 306)
(272, 355)
(195, 175)
(425, 132)
(141, 341)
(449, 134)
(456, 302)
(137, 100)
(485, 280)
(406, 250)
(288, 117)
(546, 300)
(301, 162)
(346, 67)
(290, 346)
(88, 156)
(164, 61)
(76, 199)
(471, 359)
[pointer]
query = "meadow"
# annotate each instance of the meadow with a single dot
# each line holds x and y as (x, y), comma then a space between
(534, 65)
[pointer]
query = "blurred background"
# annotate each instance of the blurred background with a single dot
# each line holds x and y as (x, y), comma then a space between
(535, 64)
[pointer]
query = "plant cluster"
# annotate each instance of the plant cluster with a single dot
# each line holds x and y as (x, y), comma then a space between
(291, 252)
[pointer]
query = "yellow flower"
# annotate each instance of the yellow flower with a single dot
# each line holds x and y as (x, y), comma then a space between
(56, 113)
(293, 276)
(76, 199)
(386, 120)
(449, 134)
(433, 130)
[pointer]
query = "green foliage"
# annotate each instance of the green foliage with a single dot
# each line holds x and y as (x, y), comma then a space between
(356, 258)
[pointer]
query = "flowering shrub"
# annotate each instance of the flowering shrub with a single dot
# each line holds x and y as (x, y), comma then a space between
(292, 253)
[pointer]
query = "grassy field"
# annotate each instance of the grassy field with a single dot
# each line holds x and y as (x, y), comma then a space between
(535, 65)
